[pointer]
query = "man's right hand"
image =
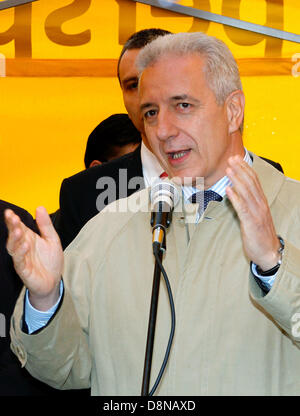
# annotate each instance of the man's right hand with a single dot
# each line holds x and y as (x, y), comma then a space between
(38, 260)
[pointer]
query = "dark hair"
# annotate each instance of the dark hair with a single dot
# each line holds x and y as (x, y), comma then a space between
(112, 133)
(140, 39)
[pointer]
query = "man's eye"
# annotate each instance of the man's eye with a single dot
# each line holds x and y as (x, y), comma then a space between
(132, 86)
(150, 114)
(184, 105)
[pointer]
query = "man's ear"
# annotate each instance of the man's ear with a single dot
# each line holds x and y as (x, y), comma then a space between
(95, 163)
(235, 105)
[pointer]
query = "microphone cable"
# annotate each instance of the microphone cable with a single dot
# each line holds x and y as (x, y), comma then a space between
(173, 322)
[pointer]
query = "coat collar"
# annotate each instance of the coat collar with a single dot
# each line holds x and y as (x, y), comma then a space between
(270, 178)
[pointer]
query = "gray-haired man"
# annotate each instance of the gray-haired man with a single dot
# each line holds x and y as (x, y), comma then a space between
(235, 282)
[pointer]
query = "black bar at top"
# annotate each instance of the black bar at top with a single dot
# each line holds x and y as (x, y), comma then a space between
(7, 4)
(217, 18)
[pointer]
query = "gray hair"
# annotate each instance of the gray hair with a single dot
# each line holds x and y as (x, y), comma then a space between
(221, 70)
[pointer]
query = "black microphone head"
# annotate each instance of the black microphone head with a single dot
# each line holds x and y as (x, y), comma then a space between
(165, 194)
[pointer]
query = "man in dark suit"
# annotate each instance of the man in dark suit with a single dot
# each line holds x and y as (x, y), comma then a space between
(14, 380)
(81, 195)
(112, 138)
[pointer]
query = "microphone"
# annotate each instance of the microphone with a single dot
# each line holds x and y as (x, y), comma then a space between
(164, 197)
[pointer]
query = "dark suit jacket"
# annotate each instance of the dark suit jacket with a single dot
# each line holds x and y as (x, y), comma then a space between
(79, 195)
(14, 380)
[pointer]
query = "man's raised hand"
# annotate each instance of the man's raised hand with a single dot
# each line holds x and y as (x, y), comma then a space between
(38, 260)
(259, 237)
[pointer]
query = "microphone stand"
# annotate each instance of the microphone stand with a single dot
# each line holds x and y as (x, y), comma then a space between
(151, 327)
(162, 217)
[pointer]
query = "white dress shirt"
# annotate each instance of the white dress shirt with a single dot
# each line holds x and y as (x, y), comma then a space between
(151, 166)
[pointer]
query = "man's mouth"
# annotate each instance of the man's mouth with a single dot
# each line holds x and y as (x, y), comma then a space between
(178, 156)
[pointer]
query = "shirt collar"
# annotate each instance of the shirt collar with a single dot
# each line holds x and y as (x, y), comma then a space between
(151, 167)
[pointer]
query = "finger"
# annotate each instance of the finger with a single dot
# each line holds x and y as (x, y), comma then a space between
(244, 171)
(20, 259)
(15, 230)
(247, 212)
(242, 187)
(11, 219)
(17, 246)
(238, 162)
(245, 181)
(238, 204)
(45, 224)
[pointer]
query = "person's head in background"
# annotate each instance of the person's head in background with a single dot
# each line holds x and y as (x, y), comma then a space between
(112, 138)
(128, 73)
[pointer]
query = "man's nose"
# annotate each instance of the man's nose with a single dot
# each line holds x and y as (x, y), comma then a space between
(166, 126)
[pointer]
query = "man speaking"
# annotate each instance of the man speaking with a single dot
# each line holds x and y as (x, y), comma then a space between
(233, 259)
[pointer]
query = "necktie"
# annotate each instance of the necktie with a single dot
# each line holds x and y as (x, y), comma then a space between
(163, 175)
(203, 198)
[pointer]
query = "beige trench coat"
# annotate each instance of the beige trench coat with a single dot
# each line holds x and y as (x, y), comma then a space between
(229, 338)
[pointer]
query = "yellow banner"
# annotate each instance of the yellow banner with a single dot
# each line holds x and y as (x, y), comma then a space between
(82, 35)
(59, 58)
